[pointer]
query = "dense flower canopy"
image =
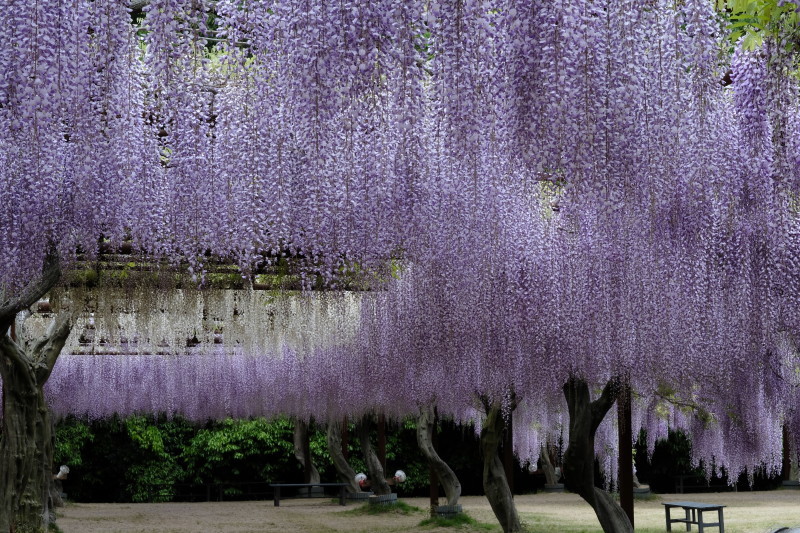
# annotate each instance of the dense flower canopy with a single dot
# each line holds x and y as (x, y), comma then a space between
(559, 188)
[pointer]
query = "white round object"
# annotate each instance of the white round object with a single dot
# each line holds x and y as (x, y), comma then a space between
(400, 476)
(360, 477)
(62, 472)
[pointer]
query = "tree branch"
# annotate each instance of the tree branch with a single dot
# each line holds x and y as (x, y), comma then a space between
(46, 351)
(606, 400)
(51, 273)
(14, 353)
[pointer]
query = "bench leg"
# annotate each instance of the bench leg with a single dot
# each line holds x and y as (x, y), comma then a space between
(700, 527)
(669, 522)
(277, 496)
(688, 522)
(721, 521)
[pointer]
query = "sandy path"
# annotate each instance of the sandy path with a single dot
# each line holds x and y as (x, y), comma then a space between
(746, 512)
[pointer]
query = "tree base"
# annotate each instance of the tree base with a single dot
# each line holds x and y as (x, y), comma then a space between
(383, 499)
(361, 496)
(448, 511)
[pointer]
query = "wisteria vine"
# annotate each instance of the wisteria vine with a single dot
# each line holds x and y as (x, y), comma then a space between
(544, 189)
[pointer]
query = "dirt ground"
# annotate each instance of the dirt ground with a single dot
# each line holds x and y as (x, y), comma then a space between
(746, 512)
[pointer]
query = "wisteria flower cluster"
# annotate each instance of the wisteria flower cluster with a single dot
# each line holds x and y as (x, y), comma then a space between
(549, 190)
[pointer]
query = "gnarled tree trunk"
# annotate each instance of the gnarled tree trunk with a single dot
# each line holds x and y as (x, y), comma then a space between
(26, 449)
(447, 478)
(26, 442)
(343, 469)
(302, 452)
(495, 483)
(379, 485)
(549, 470)
(584, 418)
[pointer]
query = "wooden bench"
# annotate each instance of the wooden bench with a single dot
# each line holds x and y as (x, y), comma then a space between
(690, 481)
(279, 486)
(694, 515)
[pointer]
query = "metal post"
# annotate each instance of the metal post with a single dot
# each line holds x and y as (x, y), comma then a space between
(508, 453)
(625, 450)
(382, 441)
(345, 439)
(787, 450)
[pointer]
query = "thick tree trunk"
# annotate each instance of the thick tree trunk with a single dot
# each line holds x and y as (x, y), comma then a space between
(625, 463)
(584, 418)
(790, 470)
(379, 485)
(302, 452)
(17, 449)
(26, 448)
(36, 509)
(447, 478)
(343, 469)
(495, 484)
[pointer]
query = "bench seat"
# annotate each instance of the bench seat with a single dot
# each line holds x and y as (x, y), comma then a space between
(279, 486)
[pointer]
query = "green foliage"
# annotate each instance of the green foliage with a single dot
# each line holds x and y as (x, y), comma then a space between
(154, 476)
(402, 453)
(122, 460)
(237, 451)
(753, 20)
(671, 457)
(71, 438)
(146, 458)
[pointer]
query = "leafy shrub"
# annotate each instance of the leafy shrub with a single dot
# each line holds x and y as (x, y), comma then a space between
(239, 451)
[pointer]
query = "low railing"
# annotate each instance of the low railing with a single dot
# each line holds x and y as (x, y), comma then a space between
(198, 492)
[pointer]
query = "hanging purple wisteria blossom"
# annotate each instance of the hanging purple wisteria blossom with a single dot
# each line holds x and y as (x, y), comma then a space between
(544, 196)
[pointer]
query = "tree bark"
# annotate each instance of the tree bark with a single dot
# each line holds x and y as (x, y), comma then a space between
(495, 484)
(343, 469)
(447, 478)
(584, 418)
(547, 466)
(790, 470)
(302, 452)
(26, 440)
(26, 448)
(379, 485)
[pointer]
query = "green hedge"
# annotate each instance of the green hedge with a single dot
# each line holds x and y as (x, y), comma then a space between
(147, 458)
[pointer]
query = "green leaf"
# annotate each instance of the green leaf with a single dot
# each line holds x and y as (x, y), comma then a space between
(752, 41)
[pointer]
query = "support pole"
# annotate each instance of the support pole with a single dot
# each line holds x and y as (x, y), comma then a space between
(508, 453)
(382, 441)
(787, 454)
(345, 439)
(625, 450)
